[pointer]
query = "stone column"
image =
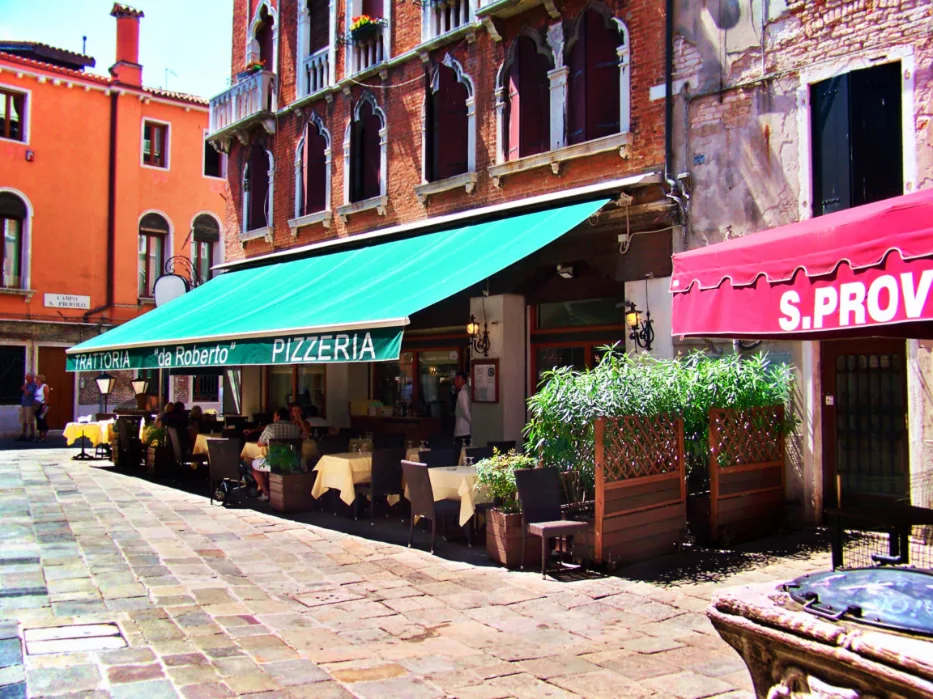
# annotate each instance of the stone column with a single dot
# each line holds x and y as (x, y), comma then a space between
(505, 316)
(558, 78)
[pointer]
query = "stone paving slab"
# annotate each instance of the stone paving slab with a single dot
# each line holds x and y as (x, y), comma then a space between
(217, 603)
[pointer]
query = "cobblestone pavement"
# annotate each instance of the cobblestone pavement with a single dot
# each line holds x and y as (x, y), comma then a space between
(216, 603)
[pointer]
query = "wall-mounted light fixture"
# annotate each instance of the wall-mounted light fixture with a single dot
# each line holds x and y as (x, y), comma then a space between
(479, 337)
(565, 271)
(105, 384)
(641, 325)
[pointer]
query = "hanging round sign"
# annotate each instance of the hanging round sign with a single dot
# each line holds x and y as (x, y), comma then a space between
(169, 287)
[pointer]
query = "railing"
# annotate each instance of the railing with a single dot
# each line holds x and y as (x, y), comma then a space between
(315, 72)
(445, 16)
(249, 96)
(366, 53)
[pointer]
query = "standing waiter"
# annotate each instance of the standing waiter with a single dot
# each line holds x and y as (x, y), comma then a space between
(462, 410)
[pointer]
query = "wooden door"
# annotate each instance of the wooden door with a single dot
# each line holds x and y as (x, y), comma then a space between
(62, 384)
(865, 420)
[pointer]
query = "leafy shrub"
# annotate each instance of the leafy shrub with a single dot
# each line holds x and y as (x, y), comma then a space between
(497, 474)
(282, 459)
(153, 435)
(563, 412)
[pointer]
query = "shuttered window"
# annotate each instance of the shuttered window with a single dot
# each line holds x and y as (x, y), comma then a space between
(153, 234)
(155, 144)
(447, 124)
(365, 155)
(12, 115)
(593, 86)
(314, 170)
(257, 188)
(857, 141)
(12, 217)
(528, 105)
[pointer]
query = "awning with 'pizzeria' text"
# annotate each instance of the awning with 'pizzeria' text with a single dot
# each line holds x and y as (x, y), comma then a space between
(860, 272)
(347, 306)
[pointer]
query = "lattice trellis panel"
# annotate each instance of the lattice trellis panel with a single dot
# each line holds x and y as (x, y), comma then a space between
(741, 437)
(634, 446)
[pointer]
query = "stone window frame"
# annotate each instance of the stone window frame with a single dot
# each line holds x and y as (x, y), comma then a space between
(303, 44)
(324, 216)
(252, 43)
(379, 202)
(265, 232)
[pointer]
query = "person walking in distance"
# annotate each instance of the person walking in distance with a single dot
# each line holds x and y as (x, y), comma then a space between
(462, 409)
(27, 409)
(42, 407)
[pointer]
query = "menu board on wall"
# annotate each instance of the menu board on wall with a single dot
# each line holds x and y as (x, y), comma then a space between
(485, 383)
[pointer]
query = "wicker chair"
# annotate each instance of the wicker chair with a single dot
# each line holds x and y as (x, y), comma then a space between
(439, 457)
(479, 453)
(421, 496)
(225, 476)
(386, 479)
(539, 497)
(181, 448)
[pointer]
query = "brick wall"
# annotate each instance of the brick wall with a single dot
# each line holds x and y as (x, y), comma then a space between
(400, 93)
(89, 394)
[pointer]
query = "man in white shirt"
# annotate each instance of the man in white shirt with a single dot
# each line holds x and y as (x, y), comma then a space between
(462, 409)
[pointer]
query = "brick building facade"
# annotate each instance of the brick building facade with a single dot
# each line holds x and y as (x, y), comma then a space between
(761, 102)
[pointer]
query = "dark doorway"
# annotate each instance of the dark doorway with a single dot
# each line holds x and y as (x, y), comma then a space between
(62, 395)
(865, 420)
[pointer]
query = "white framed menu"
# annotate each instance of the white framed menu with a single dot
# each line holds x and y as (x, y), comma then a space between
(485, 383)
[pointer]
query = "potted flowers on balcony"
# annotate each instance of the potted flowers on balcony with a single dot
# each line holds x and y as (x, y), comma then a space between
(250, 68)
(504, 519)
(364, 27)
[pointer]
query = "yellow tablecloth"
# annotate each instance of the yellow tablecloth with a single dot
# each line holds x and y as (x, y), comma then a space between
(76, 430)
(457, 483)
(412, 455)
(200, 445)
(252, 450)
(341, 472)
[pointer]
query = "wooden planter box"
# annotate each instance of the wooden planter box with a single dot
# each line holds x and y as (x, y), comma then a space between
(504, 541)
(292, 492)
(159, 461)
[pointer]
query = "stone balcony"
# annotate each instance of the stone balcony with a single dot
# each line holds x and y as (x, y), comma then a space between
(251, 100)
(315, 73)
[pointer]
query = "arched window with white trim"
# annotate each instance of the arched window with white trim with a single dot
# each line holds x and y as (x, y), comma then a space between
(365, 156)
(597, 55)
(450, 122)
(257, 189)
(14, 219)
(262, 38)
(524, 102)
(312, 169)
(205, 245)
(154, 232)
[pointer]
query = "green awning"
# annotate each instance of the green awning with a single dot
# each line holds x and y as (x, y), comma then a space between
(347, 306)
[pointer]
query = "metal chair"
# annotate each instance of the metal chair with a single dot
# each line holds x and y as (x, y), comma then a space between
(181, 448)
(502, 447)
(539, 497)
(386, 479)
(421, 497)
(224, 463)
(479, 453)
(439, 457)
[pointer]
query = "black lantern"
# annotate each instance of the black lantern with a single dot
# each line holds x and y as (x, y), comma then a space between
(105, 383)
(480, 338)
(140, 385)
(641, 326)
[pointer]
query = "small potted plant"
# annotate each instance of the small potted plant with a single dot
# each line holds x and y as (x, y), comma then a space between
(504, 520)
(159, 455)
(289, 481)
(364, 27)
(250, 68)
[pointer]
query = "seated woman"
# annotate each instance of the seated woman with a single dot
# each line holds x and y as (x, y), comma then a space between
(195, 418)
(298, 419)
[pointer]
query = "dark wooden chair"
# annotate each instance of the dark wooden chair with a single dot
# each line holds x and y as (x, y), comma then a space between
(479, 453)
(333, 444)
(503, 447)
(386, 480)
(388, 440)
(129, 447)
(439, 457)
(224, 464)
(181, 448)
(421, 497)
(539, 497)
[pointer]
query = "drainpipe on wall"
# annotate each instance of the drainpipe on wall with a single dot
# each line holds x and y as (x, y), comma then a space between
(111, 208)
(675, 191)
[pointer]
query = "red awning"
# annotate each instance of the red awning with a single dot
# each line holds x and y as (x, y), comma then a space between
(863, 271)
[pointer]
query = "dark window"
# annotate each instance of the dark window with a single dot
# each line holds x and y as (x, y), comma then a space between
(265, 33)
(206, 388)
(593, 89)
(314, 171)
(365, 154)
(373, 8)
(589, 312)
(12, 219)
(320, 24)
(12, 115)
(12, 373)
(447, 121)
(257, 188)
(528, 107)
(155, 144)
(153, 232)
(857, 142)
(206, 235)
(215, 163)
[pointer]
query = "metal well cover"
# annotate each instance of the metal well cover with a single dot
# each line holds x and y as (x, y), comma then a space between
(897, 599)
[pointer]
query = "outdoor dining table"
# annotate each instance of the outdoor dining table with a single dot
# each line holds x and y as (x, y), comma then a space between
(341, 472)
(413, 455)
(252, 450)
(95, 432)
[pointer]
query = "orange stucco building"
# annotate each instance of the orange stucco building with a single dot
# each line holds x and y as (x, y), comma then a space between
(103, 182)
